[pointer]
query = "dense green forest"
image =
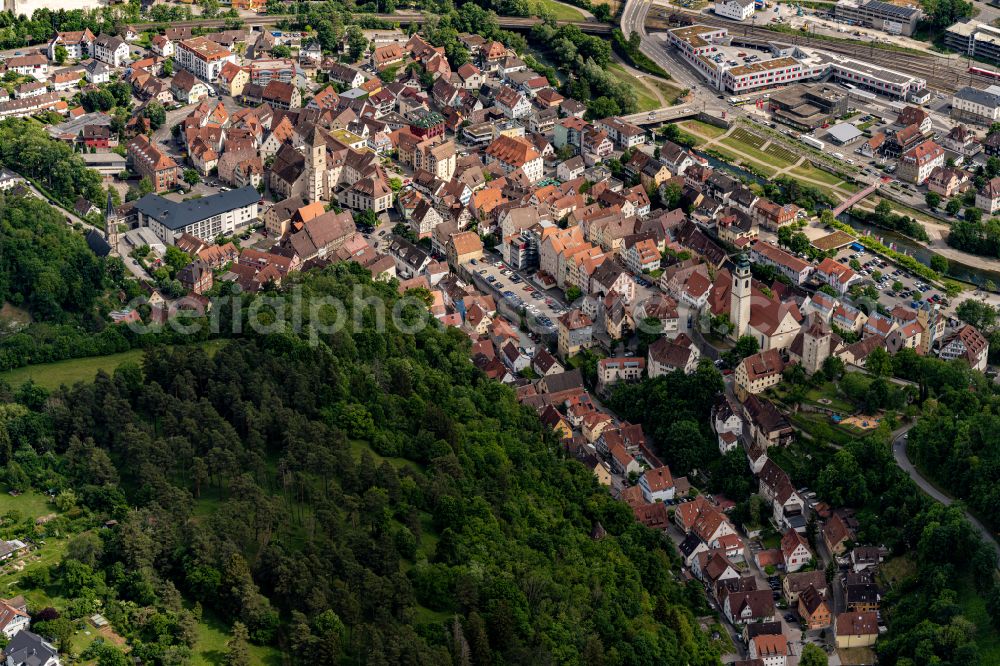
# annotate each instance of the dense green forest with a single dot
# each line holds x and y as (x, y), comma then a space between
(47, 269)
(976, 236)
(957, 442)
(45, 266)
(373, 499)
(927, 610)
(20, 30)
(26, 148)
(674, 409)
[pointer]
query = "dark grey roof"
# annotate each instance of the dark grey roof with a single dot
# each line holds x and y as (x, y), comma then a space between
(887, 9)
(111, 42)
(691, 541)
(97, 243)
(722, 182)
(607, 274)
(408, 253)
(177, 215)
(743, 196)
(563, 381)
(977, 96)
(763, 629)
(27, 648)
(861, 594)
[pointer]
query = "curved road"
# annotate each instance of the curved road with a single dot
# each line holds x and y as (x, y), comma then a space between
(903, 460)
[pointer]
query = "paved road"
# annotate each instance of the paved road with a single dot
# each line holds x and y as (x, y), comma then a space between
(663, 114)
(903, 460)
(72, 219)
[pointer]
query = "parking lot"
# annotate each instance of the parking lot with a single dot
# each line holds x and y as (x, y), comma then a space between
(542, 307)
(888, 279)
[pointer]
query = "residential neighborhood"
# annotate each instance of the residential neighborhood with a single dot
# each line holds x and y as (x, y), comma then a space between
(599, 265)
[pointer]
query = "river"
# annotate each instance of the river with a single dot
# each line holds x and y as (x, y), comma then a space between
(900, 243)
(956, 270)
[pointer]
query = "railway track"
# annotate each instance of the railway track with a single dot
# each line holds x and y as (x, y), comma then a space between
(942, 74)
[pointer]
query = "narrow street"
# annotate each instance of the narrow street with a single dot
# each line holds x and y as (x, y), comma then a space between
(903, 460)
(73, 219)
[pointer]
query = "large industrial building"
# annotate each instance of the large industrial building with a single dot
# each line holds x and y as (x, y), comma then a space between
(741, 70)
(893, 19)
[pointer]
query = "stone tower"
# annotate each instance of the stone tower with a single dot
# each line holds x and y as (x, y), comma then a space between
(316, 168)
(111, 223)
(739, 298)
(815, 345)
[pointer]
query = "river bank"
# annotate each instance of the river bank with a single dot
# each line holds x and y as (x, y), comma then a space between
(962, 266)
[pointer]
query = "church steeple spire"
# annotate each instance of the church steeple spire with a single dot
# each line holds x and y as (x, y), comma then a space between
(109, 209)
(111, 225)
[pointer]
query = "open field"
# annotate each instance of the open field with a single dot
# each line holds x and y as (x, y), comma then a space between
(671, 92)
(768, 158)
(210, 648)
(704, 129)
(358, 447)
(896, 569)
(68, 372)
(30, 503)
(734, 158)
(782, 153)
(740, 135)
(807, 170)
(828, 396)
(559, 10)
(613, 5)
(645, 97)
(47, 555)
(755, 153)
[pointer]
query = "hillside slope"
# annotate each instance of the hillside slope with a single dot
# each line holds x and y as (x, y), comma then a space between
(373, 499)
